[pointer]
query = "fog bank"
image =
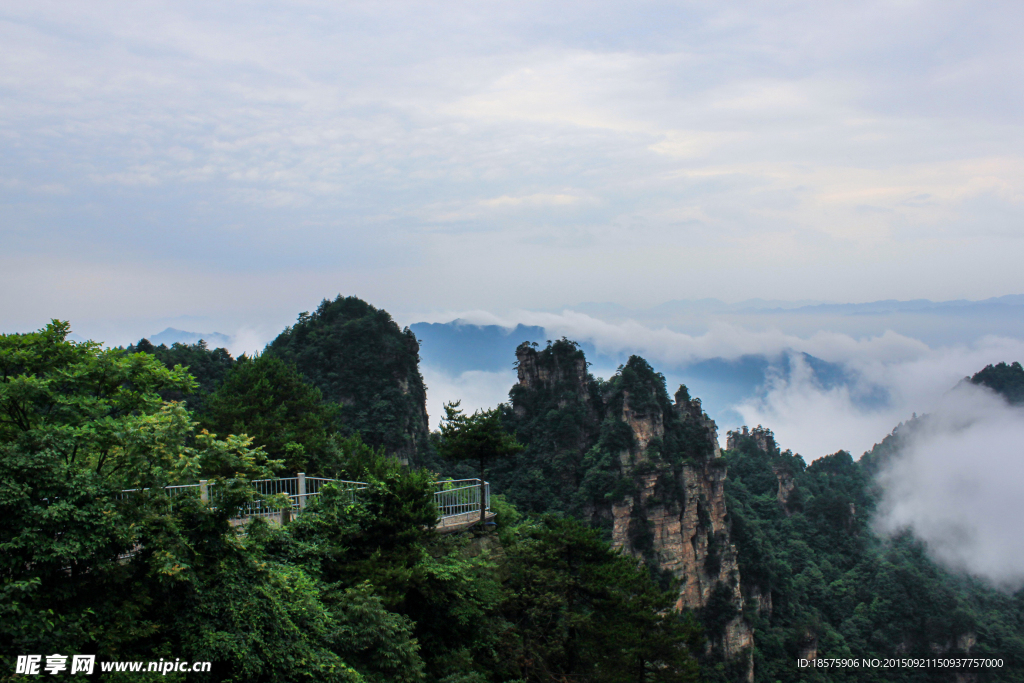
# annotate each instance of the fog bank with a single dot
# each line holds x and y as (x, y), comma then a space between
(956, 484)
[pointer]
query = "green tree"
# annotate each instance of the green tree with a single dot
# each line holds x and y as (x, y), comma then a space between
(206, 366)
(477, 437)
(376, 536)
(583, 611)
(88, 567)
(381, 542)
(268, 400)
(378, 643)
(834, 585)
(1004, 379)
(360, 359)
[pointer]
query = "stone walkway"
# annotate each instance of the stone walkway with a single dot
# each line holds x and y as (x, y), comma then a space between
(455, 523)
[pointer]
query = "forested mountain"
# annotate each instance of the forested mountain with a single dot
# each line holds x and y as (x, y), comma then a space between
(640, 467)
(345, 368)
(834, 588)
(99, 559)
(628, 546)
(1006, 380)
(777, 558)
(644, 470)
(359, 358)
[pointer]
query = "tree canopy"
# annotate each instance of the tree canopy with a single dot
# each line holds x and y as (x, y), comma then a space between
(359, 358)
(1003, 378)
(267, 399)
(478, 437)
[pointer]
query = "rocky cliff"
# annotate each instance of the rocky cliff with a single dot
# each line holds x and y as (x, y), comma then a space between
(556, 410)
(645, 468)
(676, 517)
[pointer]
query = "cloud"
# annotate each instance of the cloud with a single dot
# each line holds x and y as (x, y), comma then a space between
(815, 420)
(497, 206)
(956, 484)
(886, 377)
(532, 200)
(249, 341)
(598, 151)
(475, 389)
(721, 340)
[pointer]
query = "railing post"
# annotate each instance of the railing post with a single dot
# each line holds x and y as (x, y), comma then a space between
(302, 489)
(204, 493)
(480, 500)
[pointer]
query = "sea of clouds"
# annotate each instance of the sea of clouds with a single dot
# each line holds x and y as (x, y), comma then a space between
(811, 418)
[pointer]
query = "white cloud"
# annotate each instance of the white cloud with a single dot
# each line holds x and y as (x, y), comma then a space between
(249, 341)
(814, 420)
(889, 376)
(722, 340)
(956, 485)
(475, 389)
(532, 200)
(599, 152)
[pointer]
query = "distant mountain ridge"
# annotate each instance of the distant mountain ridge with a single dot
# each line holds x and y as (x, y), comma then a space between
(458, 347)
(762, 306)
(172, 335)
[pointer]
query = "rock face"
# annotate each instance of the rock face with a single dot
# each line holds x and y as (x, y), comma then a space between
(559, 372)
(763, 437)
(808, 646)
(786, 485)
(677, 519)
(556, 412)
(644, 467)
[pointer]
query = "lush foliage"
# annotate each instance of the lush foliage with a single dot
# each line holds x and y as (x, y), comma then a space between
(265, 398)
(206, 366)
(358, 358)
(1004, 379)
(359, 588)
(86, 568)
(478, 437)
(837, 589)
(558, 422)
(582, 611)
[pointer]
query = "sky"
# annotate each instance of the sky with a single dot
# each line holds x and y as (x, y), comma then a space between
(225, 166)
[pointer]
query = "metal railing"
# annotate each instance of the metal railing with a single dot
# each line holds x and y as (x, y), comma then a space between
(175, 492)
(299, 489)
(460, 497)
(454, 498)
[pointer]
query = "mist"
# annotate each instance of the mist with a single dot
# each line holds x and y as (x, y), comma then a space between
(956, 484)
(475, 389)
(887, 377)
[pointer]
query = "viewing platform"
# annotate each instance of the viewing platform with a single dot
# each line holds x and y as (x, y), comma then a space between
(458, 501)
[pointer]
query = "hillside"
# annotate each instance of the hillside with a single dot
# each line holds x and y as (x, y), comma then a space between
(778, 558)
(627, 547)
(358, 357)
